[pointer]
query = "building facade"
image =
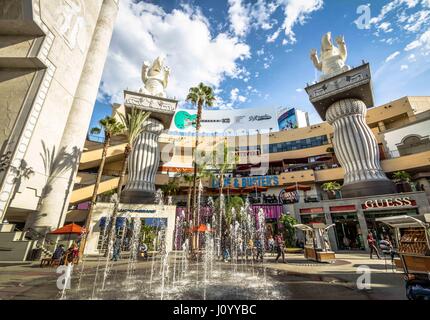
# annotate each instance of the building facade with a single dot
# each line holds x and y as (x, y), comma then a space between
(296, 165)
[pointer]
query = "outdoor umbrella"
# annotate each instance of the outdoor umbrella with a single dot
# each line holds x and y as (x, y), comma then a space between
(69, 229)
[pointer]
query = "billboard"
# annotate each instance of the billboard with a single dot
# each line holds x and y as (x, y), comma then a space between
(236, 121)
(287, 119)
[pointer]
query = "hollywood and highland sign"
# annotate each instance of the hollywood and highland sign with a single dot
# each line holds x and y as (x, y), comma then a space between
(388, 203)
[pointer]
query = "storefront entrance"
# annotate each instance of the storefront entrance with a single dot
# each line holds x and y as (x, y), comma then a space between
(348, 231)
(379, 229)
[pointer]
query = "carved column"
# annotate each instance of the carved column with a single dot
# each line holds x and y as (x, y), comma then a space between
(357, 150)
(143, 165)
(54, 205)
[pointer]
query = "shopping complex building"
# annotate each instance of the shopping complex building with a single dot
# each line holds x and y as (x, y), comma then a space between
(297, 163)
(52, 59)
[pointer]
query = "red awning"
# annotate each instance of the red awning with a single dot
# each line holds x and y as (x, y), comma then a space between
(201, 228)
(68, 229)
(294, 187)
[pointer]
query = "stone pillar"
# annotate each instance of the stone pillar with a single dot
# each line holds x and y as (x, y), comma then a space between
(357, 150)
(54, 205)
(143, 165)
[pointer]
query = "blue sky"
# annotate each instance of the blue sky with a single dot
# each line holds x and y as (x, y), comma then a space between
(256, 53)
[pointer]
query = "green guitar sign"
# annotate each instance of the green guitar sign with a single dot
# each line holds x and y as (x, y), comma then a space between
(184, 120)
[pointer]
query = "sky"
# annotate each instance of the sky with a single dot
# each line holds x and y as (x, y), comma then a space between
(255, 54)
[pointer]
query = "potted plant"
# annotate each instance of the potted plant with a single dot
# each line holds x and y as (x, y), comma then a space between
(331, 188)
(403, 181)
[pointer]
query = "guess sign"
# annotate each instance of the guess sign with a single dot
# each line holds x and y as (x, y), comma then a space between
(389, 203)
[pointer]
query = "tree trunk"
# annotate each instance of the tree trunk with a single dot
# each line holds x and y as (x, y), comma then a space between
(94, 196)
(199, 114)
(221, 188)
(112, 228)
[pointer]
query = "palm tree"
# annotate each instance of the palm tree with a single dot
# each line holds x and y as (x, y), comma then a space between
(134, 126)
(111, 127)
(200, 96)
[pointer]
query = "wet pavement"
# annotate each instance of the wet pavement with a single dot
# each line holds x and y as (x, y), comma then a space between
(297, 279)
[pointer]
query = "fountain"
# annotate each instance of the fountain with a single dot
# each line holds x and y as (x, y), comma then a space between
(172, 269)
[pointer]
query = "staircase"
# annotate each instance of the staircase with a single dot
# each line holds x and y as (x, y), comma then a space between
(13, 244)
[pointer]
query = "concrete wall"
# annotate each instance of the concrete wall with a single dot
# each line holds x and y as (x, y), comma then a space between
(61, 54)
(394, 137)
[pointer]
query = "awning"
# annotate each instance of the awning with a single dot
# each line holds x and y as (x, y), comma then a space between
(301, 187)
(405, 221)
(303, 227)
(69, 229)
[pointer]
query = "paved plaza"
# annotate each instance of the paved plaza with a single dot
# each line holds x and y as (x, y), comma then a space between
(304, 279)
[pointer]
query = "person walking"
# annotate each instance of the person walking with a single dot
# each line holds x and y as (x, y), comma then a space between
(372, 245)
(116, 249)
(279, 242)
(271, 243)
(259, 247)
(250, 249)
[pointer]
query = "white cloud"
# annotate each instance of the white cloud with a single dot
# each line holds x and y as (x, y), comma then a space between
(235, 97)
(392, 56)
(261, 13)
(386, 27)
(299, 90)
(239, 17)
(295, 12)
(404, 67)
(417, 20)
(412, 57)
(422, 42)
(175, 34)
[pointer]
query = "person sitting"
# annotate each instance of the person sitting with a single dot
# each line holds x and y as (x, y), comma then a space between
(58, 254)
(143, 249)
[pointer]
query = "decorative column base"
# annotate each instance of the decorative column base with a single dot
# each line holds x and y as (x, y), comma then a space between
(357, 150)
(143, 165)
(368, 188)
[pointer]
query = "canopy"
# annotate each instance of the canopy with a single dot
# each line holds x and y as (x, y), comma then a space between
(303, 227)
(69, 229)
(295, 187)
(405, 221)
(201, 228)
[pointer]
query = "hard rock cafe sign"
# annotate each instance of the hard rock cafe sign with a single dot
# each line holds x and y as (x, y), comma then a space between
(388, 203)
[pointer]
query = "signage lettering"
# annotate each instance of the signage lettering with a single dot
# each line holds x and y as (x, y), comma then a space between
(261, 181)
(388, 203)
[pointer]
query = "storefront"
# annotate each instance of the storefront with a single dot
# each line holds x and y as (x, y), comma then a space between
(383, 208)
(349, 235)
(355, 218)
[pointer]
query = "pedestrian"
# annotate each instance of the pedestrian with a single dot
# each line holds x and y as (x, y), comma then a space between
(259, 247)
(279, 242)
(372, 245)
(58, 253)
(116, 249)
(250, 249)
(387, 246)
(271, 243)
